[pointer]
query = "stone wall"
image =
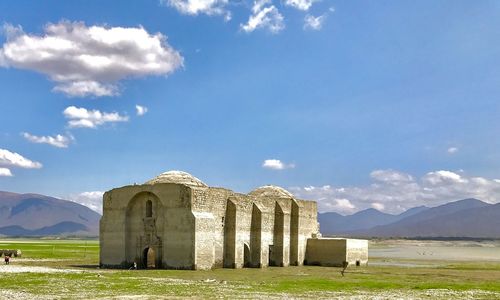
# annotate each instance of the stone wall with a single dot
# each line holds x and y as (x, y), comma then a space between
(125, 231)
(198, 227)
(332, 252)
(357, 252)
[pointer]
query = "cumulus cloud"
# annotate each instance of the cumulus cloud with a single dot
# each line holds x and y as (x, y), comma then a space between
(195, 7)
(13, 159)
(59, 141)
(394, 191)
(89, 60)
(442, 178)
(378, 206)
(390, 176)
(264, 16)
(314, 23)
(452, 150)
(141, 110)
(4, 172)
(300, 4)
(79, 117)
(341, 205)
(92, 200)
(276, 164)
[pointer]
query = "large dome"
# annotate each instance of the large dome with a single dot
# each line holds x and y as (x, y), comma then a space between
(271, 191)
(178, 177)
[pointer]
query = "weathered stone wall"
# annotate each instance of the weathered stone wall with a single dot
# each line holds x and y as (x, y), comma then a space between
(124, 228)
(332, 252)
(357, 252)
(199, 227)
(260, 224)
(209, 205)
(326, 252)
(308, 225)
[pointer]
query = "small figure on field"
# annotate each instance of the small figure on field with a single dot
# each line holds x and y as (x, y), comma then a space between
(7, 259)
(344, 266)
(134, 267)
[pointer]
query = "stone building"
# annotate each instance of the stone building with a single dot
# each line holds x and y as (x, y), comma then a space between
(333, 252)
(176, 221)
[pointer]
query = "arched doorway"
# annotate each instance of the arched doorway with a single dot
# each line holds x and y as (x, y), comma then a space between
(144, 229)
(246, 256)
(149, 258)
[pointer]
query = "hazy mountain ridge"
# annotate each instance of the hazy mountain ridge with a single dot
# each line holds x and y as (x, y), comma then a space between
(463, 218)
(334, 223)
(37, 215)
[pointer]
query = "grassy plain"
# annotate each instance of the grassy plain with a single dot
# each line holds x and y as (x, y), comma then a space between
(68, 269)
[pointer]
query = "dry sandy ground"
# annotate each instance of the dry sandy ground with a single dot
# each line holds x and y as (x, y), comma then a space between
(436, 250)
(12, 268)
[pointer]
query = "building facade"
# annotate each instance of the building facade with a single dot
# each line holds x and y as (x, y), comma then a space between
(176, 221)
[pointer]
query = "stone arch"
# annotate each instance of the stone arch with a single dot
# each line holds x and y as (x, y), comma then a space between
(149, 258)
(246, 256)
(144, 228)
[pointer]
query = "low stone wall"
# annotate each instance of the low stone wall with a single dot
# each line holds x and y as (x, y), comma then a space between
(333, 252)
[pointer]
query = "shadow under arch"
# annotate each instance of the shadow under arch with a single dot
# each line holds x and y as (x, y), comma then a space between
(143, 230)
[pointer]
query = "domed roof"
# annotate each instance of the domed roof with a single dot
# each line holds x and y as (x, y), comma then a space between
(178, 177)
(271, 191)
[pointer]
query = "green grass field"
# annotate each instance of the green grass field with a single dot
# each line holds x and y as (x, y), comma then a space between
(68, 269)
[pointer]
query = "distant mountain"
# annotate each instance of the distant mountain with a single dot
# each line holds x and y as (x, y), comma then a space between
(38, 215)
(412, 211)
(464, 218)
(334, 223)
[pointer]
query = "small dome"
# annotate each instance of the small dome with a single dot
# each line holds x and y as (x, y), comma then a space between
(178, 177)
(271, 191)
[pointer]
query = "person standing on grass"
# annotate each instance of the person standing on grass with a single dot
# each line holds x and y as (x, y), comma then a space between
(7, 259)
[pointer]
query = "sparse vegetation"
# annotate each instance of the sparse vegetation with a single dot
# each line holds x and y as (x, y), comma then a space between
(78, 276)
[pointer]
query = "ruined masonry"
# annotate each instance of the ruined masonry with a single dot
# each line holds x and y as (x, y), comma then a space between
(175, 221)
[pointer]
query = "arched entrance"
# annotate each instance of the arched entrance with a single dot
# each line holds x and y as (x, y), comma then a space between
(149, 258)
(144, 230)
(246, 256)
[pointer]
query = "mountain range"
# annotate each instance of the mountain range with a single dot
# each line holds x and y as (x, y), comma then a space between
(38, 215)
(464, 218)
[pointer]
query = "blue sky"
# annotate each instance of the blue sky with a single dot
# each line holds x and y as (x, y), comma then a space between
(356, 104)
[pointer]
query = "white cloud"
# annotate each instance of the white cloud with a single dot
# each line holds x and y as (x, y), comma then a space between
(394, 191)
(343, 206)
(390, 176)
(60, 141)
(12, 159)
(264, 16)
(141, 110)
(85, 88)
(442, 177)
(452, 150)
(89, 61)
(195, 7)
(92, 200)
(276, 164)
(82, 118)
(378, 206)
(300, 4)
(4, 172)
(314, 23)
